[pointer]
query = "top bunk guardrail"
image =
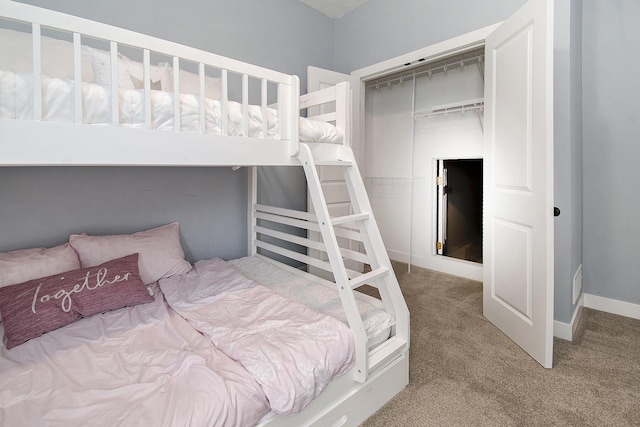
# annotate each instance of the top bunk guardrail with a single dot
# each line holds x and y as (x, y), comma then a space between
(41, 140)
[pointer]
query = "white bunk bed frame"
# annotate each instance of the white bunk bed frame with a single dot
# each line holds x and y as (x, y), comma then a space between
(378, 374)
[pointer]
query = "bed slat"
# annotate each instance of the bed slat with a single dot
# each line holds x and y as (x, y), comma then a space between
(115, 101)
(37, 72)
(147, 87)
(264, 99)
(201, 115)
(176, 94)
(224, 105)
(245, 105)
(77, 78)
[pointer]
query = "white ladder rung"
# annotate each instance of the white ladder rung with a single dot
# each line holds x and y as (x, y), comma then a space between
(350, 218)
(333, 163)
(368, 277)
(386, 351)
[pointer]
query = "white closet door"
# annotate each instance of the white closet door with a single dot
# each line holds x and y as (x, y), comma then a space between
(518, 180)
(331, 177)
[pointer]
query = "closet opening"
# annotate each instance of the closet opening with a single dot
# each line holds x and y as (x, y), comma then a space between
(459, 209)
(428, 110)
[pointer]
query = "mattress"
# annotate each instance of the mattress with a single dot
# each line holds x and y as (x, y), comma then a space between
(16, 102)
(292, 350)
(142, 365)
(377, 322)
(213, 346)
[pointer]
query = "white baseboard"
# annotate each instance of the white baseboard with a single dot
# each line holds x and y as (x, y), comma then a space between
(612, 306)
(566, 331)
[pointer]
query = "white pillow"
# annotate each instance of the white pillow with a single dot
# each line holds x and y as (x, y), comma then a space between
(190, 83)
(28, 264)
(161, 254)
(16, 54)
(101, 62)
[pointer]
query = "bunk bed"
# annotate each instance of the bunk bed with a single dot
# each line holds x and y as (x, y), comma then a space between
(127, 99)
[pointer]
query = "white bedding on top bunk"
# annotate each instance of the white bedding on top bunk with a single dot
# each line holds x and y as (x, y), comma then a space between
(16, 102)
(377, 322)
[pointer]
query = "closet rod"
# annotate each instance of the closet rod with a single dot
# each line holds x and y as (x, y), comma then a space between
(460, 63)
(458, 107)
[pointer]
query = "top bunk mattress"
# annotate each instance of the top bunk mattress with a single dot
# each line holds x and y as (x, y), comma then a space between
(17, 102)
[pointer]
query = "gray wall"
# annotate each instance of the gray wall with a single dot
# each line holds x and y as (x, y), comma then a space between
(382, 29)
(282, 35)
(567, 152)
(611, 136)
(41, 206)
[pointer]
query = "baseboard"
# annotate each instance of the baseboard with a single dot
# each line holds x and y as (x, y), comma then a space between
(566, 331)
(612, 306)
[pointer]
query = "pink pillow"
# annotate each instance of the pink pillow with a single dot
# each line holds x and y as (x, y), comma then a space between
(161, 254)
(32, 308)
(26, 264)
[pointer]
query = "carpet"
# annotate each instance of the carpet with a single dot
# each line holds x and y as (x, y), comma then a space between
(465, 372)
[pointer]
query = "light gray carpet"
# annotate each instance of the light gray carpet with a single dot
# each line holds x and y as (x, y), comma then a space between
(465, 372)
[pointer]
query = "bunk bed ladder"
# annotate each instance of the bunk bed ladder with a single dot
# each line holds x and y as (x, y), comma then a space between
(381, 274)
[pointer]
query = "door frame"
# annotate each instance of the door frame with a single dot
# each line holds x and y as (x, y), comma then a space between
(453, 46)
(437, 199)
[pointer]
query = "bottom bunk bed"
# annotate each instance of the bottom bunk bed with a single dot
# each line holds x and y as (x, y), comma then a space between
(121, 329)
(162, 342)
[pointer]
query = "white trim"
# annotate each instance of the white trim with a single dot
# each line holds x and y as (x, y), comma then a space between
(441, 264)
(452, 46)
(566, 331)
(612, 306)
(562, 330)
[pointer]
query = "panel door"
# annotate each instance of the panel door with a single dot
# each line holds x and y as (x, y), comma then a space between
(518, 179)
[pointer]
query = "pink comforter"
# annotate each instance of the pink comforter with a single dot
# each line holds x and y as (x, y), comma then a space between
(292, 351)
(137, 366)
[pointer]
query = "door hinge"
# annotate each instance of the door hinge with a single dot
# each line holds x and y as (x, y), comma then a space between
(439, 246)
(438, 180)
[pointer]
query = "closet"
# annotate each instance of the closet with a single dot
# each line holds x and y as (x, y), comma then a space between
(423, 161)
(514, 137)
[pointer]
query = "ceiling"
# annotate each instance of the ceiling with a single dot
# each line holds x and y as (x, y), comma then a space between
(334, 8)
